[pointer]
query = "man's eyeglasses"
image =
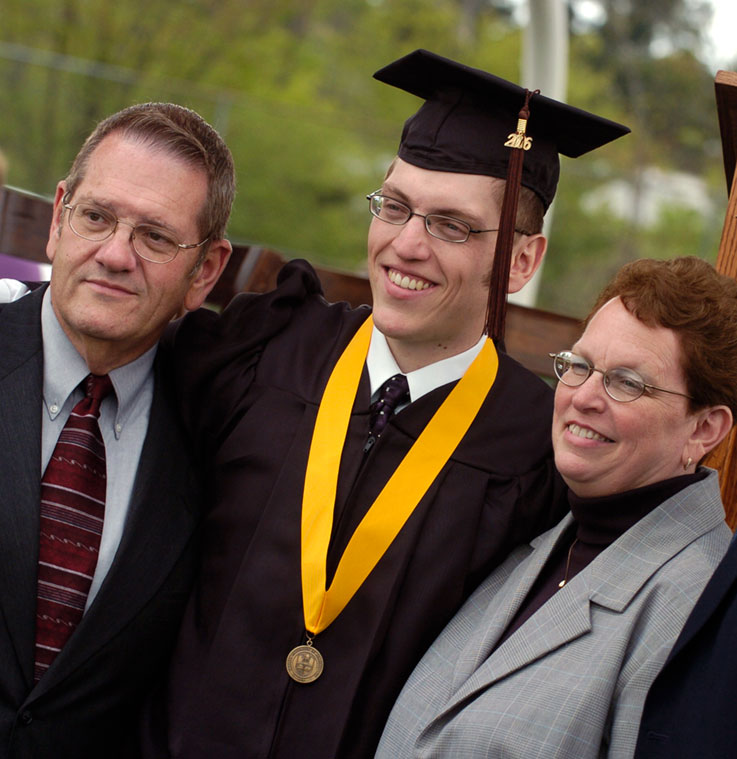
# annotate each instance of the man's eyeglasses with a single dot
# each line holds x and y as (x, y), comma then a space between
(621, 384)
(90, 222)
(443, 227)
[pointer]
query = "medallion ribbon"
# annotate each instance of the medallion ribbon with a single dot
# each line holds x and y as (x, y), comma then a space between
(404, 490)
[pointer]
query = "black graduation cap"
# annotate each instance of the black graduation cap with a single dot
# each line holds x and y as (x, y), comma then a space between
(473, 122)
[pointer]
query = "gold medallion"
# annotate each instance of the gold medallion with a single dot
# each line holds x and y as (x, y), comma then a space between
(304, 664)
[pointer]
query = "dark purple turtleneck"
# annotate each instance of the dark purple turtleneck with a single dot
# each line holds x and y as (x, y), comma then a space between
(598, 522)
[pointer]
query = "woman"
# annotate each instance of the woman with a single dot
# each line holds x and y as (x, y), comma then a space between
(554, 653)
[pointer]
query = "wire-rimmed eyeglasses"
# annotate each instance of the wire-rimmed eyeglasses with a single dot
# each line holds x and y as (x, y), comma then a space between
(446, 228)
(151, 243)
(621, 384)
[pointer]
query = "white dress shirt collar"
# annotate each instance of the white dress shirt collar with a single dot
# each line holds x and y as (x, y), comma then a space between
(382, 365)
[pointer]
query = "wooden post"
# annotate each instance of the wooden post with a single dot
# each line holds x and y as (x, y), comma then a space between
(724, 458)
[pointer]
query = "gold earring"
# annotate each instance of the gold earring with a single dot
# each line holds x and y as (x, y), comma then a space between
(687, 464)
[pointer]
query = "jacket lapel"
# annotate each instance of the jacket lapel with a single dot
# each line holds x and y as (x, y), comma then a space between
(611, 581)
(21, 386)
(564, 617)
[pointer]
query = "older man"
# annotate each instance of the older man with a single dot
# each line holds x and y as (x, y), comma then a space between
(367, 471)
(98, 490)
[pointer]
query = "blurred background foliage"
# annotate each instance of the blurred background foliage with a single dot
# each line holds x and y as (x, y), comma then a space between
(289, 86)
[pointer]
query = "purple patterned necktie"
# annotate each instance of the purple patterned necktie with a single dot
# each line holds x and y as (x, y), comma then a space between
(393, 393)
(72, 511)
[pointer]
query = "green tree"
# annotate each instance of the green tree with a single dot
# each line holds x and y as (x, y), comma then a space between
(289, 86)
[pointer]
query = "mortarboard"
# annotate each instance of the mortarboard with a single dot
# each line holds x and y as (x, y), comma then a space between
(466, 125)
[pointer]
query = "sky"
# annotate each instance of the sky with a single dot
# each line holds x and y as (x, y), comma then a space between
(721, 37)
(723, 34)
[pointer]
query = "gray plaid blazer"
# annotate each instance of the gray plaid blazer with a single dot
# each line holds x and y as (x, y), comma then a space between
(571, 682)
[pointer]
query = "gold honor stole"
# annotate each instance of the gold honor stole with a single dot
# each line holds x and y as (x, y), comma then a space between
(393, 506)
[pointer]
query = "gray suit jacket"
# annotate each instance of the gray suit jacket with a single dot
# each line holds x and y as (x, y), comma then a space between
(87, 703)
(571, 682)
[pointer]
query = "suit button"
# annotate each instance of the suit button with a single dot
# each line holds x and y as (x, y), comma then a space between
(26, 717)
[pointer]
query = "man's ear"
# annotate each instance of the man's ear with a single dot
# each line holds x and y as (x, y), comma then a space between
(56, 221)
(208, 273)
(527, 256)
(712, 426)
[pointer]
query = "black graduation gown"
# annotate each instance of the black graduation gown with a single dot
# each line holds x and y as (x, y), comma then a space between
(251, 382)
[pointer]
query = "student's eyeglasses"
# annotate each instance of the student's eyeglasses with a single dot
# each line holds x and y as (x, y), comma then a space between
(442, 227)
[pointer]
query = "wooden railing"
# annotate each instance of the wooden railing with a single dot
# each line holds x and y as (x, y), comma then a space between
(24, 224)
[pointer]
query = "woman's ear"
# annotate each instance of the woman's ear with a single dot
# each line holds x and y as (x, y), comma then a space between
(712, 426)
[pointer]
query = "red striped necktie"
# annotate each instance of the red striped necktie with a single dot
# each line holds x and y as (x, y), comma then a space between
(72, 511)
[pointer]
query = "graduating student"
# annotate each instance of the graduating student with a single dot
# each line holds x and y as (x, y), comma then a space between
(391, 456)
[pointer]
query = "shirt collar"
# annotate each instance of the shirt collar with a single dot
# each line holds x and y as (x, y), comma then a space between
(64, 369)
(381, 365)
